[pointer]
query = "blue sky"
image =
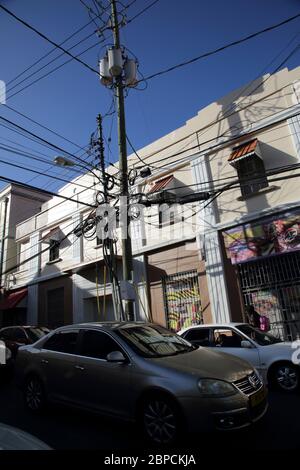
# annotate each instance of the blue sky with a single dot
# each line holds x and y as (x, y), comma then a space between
(172, 31)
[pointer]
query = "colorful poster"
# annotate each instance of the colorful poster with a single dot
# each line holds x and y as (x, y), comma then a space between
(263, 238)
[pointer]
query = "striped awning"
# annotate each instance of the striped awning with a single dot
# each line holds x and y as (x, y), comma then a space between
(161, 184)
(244, 151)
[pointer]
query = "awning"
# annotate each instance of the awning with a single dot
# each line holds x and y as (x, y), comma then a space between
(13, 299)
(161, 184)
(53, 234)
(244, 151)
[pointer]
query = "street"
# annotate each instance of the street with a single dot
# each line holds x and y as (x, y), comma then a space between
(71, 429)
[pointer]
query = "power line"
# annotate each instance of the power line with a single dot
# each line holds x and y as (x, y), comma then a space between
(248, 86)
(46, 142)
(68, 61)
(222, 48)
(44, 191)
(212, 123)
(9, 90)
(42, 35)
(44, 127)
(57, 178)
(142, 11)
(230, 140)
(31, 156)
(281, 167)
(21, 263)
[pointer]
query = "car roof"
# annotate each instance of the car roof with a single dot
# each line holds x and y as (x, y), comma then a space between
(214, 325)
(21, 326)
(109, 325)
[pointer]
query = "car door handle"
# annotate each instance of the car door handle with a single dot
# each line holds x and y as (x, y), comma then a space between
(79, 367)
(44, 361)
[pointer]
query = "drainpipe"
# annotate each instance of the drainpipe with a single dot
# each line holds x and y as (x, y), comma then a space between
(3, 239)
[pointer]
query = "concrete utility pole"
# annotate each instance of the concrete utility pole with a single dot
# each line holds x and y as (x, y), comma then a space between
(126, 240)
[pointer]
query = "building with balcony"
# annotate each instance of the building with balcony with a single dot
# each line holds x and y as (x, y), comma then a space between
(201, 261)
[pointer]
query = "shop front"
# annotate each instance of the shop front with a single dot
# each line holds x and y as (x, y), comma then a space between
(265, 255)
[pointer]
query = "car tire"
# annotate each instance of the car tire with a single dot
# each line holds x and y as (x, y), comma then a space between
(34, 394)
(161, 420)
(285, 377)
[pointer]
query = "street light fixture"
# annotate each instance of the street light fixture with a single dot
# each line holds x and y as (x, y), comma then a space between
(63, 161)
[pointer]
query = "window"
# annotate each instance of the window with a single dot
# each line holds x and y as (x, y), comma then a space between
(98, 345)
(7, 334)
(53, 250)
(252, 175)
(198, 336)
(19, 335)
(227, 338)
(166, 215)
(64, 341)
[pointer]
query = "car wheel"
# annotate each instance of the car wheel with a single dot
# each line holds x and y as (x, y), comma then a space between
(161, 420)
(285, 377)
(34, 394)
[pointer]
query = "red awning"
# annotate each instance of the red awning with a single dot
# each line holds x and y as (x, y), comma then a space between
(161, 184)
(13, 299)
(243, 151)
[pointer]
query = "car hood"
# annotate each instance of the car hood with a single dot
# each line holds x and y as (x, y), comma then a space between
(204, 362)
(285, 348)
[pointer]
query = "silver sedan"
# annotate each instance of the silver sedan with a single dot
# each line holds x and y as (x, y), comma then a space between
(144, 372)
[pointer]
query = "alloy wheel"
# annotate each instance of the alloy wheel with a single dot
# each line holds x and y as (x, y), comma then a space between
(287, 378)
(160, 421)
(34, 395)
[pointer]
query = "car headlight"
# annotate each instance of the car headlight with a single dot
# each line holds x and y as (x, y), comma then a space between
(215, 388)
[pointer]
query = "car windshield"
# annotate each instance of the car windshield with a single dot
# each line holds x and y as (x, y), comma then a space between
(154, 341)
(261, 338)
(34, 334)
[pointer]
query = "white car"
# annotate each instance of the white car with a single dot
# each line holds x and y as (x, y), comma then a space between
(268, 354)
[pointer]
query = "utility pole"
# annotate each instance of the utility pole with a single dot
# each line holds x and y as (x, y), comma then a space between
(126, 240)
(101, 156)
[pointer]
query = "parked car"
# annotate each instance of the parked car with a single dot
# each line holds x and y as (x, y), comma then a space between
(268, 354)
(144, 372)
(5, 361)
(12, 438)
(16, 336)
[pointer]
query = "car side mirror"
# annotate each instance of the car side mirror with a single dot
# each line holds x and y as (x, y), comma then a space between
(116, 356)
(246, 344)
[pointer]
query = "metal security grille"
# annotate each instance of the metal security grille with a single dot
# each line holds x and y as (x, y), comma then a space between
(272, 286)
(182, 300)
